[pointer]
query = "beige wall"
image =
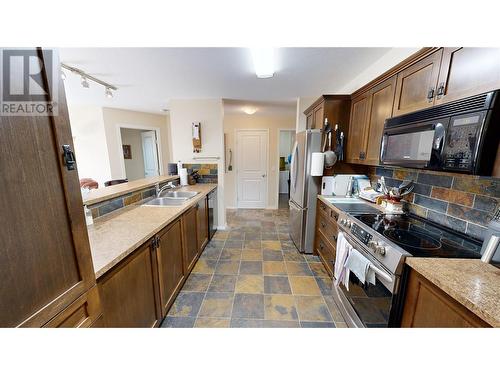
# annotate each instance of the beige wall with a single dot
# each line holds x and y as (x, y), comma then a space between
(89, 138)
(302, 105)
(210, 113)
(120, 117)
(134, 168)
(272, 123)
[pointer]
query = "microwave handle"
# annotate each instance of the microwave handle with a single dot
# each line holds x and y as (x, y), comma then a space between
(439, 138)
(382, 147)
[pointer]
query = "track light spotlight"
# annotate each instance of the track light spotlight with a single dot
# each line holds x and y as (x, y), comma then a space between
(85, 83)
(109, 93)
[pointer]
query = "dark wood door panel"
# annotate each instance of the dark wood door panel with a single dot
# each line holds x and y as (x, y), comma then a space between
(45, 256)
(358, 127)
(190, 236)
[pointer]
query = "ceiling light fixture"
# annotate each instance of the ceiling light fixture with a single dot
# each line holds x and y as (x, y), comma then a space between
(85, 83)
(109, 93)
(85, 78)
(263, 61)
(249, 110)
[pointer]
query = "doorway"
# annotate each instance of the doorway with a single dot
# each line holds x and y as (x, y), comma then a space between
(251, 168)
(140, 153)
(286, 140)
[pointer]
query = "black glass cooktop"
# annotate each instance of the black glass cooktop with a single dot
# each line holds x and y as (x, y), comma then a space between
(422, 238)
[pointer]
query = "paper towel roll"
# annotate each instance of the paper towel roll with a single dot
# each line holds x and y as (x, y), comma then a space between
(183, 173)
(317, 164)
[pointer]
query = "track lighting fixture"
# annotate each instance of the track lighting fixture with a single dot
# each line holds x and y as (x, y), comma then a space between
(85, 78)
(85, 83)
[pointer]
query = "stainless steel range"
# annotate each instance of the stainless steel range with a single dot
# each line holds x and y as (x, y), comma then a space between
(386, 240)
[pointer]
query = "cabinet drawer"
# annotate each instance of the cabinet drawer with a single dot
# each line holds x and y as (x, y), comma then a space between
(328, 228)
(81, 313)
(324, 209)
(326, 251)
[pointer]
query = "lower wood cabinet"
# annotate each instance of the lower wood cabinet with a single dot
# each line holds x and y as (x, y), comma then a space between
(85, 311)
(427, 306)
(325, 243)
(129, 293)
(189, 231)
(169, 256)
(202, 224)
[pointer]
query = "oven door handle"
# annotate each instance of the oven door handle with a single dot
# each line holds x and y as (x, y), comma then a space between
(375, 269)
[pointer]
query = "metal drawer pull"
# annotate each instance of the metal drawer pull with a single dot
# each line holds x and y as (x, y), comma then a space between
(334, 237)
(323, 224)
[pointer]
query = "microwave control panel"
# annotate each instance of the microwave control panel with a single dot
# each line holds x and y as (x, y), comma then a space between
(461, 141)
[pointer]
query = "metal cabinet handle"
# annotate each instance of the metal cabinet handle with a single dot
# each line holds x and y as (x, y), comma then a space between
(440, 90)
(430, 95)
(69, 158)
(323, 225)
(334, 237)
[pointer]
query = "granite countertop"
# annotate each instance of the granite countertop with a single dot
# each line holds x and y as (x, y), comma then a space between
(116, 235)
(472, 283)
(99, 195)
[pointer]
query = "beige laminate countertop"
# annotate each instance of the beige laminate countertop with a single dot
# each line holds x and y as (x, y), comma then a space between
(472, 283)
(116, 235)
(99, 195)
(324, 199)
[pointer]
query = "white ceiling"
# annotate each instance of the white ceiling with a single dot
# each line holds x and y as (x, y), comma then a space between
(148, 77)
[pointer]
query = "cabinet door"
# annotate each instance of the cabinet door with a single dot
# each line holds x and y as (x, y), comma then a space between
(45, 259)
(129, 294)
(202, 223)
(360, 110)
(416, 85)
(310, 121)
(170, 264)
(468, 71)
(382, 100)
(189, 233)
(319, 113)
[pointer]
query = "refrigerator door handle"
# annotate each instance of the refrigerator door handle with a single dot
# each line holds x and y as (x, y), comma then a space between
(293, 167)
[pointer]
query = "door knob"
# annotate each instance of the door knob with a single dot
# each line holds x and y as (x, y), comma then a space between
(263, 175)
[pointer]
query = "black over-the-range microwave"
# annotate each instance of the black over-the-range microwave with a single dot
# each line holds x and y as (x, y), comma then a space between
(460, 136)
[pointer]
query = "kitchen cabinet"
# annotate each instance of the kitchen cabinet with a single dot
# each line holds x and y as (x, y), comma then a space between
(382, 99)
(427, 306)
(190, 238)
(360, 111)
(169, 256)
(416, 85)
(202, 224)
(335, 108)
(466, 72)
(325, 242)
(129, 293)
(45, 258)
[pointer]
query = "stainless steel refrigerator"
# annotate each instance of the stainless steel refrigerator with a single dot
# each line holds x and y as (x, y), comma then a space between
(304, 189)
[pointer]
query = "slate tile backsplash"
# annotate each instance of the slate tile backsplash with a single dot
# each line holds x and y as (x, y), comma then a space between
(207, 172)
(463, 203)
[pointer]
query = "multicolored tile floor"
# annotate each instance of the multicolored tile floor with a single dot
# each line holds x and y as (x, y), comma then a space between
(251, 275)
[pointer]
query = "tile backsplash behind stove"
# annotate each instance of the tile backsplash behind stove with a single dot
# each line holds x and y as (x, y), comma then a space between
(461, 202)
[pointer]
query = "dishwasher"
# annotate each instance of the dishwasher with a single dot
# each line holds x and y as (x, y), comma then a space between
(212, 213)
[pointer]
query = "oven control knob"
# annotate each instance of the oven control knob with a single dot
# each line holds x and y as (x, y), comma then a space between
(380, 249)
(348, 224)
(372, 244)
(342, 221)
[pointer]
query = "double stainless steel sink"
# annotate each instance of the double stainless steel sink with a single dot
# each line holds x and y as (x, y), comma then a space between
(172, 198)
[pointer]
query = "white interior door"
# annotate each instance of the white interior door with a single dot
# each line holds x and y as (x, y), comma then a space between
(150, 153)
(251, 148)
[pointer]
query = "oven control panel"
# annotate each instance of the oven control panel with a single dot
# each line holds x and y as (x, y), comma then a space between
(361, 234)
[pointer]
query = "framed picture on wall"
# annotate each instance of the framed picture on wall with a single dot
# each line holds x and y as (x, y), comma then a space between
(127, 152)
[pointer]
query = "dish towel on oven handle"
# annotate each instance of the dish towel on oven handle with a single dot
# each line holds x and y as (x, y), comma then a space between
(340, 272)
(359, 265)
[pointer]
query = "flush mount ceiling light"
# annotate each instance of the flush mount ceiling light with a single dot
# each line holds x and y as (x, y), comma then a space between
(263, 61)
(249, 110)
(85, 78)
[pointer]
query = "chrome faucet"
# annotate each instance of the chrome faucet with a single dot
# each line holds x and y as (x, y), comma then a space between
(169, 185)
(350, 184)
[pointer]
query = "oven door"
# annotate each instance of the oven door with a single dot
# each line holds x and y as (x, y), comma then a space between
(368, 305)
(417, 145)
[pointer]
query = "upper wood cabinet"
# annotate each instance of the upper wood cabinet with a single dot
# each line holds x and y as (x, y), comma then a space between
(382, 98)
(467, 72)
(45, 259)
(202, 224)
(416, 85)
(190, 238)
(129, 293)
(335, 108)
(360, 111)
(170, 264)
